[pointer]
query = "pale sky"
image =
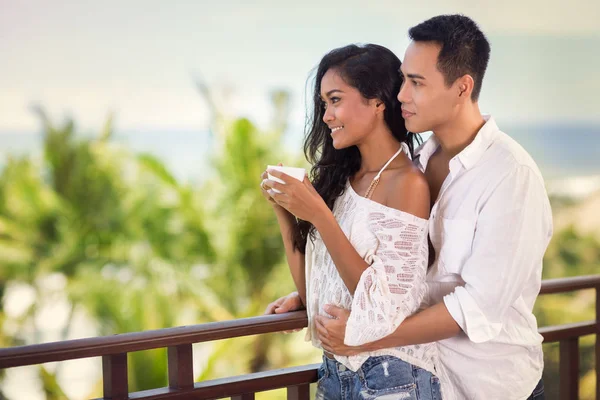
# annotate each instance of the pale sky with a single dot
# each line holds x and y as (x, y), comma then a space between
(138, 58)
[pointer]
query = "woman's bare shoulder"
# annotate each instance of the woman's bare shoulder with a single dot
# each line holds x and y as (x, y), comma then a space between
(408, 191)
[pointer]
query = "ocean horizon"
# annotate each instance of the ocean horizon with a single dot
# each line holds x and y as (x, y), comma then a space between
(561, 150)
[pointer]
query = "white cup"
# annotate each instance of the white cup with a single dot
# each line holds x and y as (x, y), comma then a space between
(297, 173)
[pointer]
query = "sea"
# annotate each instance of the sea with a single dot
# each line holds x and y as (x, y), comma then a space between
(568, 154)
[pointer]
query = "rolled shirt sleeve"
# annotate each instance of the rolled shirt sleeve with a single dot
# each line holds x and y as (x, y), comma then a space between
(511, 235)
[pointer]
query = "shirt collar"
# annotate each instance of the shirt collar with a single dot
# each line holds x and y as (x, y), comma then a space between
(470, 154)
(424, 152)
(484, 138)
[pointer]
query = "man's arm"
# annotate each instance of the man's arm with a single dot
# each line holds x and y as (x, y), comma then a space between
(430, 325)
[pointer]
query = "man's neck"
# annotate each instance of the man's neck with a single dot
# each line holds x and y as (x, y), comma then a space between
(459, 132)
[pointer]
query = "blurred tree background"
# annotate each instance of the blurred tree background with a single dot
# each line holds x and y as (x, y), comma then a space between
(135, 249)
(132, 248)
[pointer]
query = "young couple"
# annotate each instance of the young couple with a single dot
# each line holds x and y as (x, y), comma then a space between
(360, 233)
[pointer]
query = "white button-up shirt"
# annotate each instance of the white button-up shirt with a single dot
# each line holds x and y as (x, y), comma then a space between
(490, 227)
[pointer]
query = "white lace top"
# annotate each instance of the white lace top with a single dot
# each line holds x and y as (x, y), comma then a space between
(394, 244)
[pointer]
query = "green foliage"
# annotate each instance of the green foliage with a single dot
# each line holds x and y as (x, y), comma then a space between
(139, 250)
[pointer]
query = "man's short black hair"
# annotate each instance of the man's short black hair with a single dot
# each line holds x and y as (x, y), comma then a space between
(464, 48)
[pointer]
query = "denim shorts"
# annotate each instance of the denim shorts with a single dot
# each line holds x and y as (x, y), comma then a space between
(381, 377)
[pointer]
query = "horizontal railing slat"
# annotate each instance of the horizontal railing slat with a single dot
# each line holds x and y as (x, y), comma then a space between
(568, 331)
(237, 385)
(146, 340)
(561, 285)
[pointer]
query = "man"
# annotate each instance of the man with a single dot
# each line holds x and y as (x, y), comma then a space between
(490, 225)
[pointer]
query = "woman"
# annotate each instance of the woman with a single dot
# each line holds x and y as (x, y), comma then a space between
(357, 235)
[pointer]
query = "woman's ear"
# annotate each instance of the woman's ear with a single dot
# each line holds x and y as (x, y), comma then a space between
(379, 106)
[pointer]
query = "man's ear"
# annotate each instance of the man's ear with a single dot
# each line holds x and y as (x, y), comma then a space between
(465, 85)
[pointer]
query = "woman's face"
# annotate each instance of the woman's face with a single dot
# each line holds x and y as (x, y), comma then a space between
(348, 114)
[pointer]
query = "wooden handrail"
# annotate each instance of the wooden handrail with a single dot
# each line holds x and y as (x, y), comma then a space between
(147, 340)
(568, 331)
(561, 285)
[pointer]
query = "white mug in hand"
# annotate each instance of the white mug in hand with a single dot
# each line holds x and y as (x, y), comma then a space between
(294, 172)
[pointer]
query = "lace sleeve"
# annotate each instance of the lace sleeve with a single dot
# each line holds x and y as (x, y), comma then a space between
(393, 286)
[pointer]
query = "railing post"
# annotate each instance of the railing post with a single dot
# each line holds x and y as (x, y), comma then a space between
(114, 376)
(300, 392)
(180, 365)
(569, 368)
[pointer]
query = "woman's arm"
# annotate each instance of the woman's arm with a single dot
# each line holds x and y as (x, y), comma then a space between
(287, 225)
(295, 259)
(302, 200)
(349, 263)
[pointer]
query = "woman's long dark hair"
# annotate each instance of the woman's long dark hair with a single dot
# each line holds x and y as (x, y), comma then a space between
(374, 71)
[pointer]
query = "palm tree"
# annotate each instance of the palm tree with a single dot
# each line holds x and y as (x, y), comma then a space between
(250, 269)
(89, 208)
(139, 250)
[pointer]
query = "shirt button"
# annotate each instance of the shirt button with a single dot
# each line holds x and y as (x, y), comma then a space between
(341, 367)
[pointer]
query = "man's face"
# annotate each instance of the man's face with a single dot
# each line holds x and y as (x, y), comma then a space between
(427, 103)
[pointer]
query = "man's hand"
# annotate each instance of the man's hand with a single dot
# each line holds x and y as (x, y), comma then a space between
(331, 331)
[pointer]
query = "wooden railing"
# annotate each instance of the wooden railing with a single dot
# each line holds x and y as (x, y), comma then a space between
(568, 335)
(297, 380)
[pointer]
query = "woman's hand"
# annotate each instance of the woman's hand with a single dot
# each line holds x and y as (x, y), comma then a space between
(299, 198)
(289, 303)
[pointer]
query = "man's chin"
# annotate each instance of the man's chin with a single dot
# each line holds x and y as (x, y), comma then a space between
(417, 128)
